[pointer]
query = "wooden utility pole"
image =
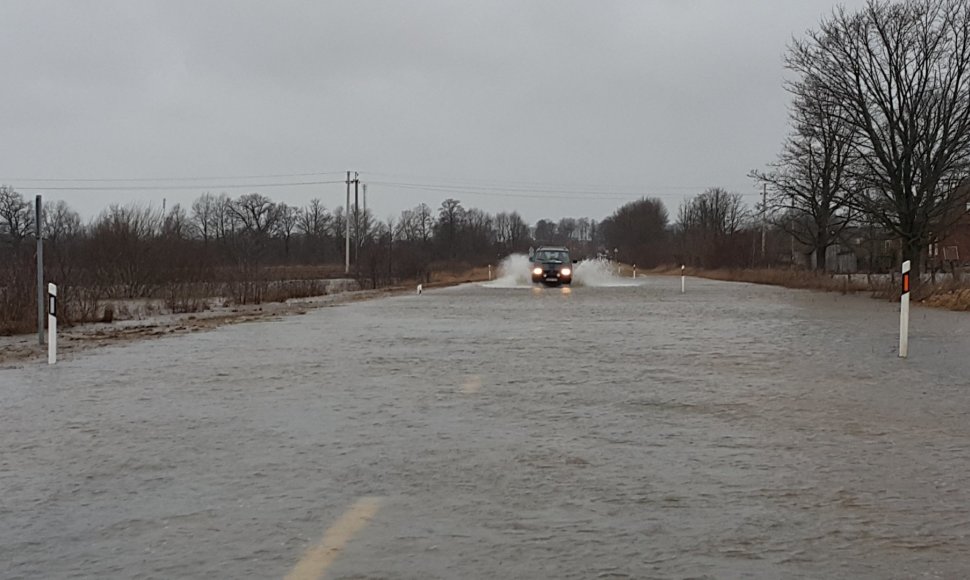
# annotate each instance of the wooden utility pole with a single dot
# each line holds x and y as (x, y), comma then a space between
(38, 225)
(357, 223)
(347, 229)
(764, 222)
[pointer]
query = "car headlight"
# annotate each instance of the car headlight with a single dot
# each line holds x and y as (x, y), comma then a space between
(566, 272)
(537, 271)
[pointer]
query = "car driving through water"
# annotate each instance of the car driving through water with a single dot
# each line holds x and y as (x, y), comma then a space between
(552, 266)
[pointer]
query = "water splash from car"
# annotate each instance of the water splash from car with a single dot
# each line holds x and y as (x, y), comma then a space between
(514, 272)
(599, 273)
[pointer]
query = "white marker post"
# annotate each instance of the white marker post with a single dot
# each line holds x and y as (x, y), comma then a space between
(904, 313)
(634, 271)
(683, 279)
(51, 324)
(490, 272)
(420, 289)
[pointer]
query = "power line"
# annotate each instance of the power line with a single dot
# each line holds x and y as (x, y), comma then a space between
(491, 193)
(480, 181)
(521, 185)
(472, 187)
(528, 193)
(159, 179)
(176, 187)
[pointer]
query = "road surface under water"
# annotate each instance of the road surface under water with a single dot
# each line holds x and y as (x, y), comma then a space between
(593, 432)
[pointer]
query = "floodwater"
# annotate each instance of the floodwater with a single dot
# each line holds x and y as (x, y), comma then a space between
(734, 431)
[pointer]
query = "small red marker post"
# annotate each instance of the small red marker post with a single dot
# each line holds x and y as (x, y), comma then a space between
(904, 313)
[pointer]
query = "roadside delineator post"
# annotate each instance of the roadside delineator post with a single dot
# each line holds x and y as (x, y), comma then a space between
(683, 279)
(490, 272)
(634, 271)
(420, 289)
(904, 312)
(51, 324)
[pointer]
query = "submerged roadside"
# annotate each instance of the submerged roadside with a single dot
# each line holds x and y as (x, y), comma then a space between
(22, 348)
(937, 292)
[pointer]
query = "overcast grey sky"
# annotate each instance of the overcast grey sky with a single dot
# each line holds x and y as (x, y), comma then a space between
(553, 108)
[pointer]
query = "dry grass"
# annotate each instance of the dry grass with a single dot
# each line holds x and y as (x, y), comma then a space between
(951, 298)
(444, 278)
(791, 279)
(802, 279)
(949, 295)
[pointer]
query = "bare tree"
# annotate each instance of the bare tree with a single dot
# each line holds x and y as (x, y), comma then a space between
(810, 184)
(708, 226)
(122, 249)
(425, 222)
(255, 217)
(176, 223)
(285, 222)
(205, 216)
(639, 231)
(16, 217)
(518, 232)
(314, 220)
(60, 222)
(257, 213)
(407, 226)
(567, 229)
(451, 218)
(545, 232)
(479, 233)
(511, 231)
(900, 74)
(584, 229)
(501, 225)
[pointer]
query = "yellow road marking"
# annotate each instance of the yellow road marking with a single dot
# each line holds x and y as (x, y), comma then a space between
(319, 558)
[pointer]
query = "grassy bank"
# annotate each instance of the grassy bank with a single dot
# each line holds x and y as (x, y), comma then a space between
(944, 293)
(274, 285)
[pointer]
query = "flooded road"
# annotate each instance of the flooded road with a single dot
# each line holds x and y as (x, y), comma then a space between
(504, 432)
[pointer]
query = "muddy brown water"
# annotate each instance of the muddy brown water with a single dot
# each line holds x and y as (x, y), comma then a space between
(596, 432)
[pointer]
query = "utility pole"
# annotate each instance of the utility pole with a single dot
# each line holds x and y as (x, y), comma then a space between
(40, 272)
(347, 228)
(791, 260)
(357, 223)
(764, 221)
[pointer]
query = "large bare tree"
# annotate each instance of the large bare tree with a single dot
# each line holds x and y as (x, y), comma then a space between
(257, 213)
(900, 74)
(810, 185)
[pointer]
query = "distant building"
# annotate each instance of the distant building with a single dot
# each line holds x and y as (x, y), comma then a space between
(953, 248)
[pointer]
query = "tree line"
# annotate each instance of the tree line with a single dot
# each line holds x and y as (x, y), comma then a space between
(249, 249)
(880, 128)
(245, 246)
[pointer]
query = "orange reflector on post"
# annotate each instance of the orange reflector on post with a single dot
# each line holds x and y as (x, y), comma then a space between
(906, 283)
